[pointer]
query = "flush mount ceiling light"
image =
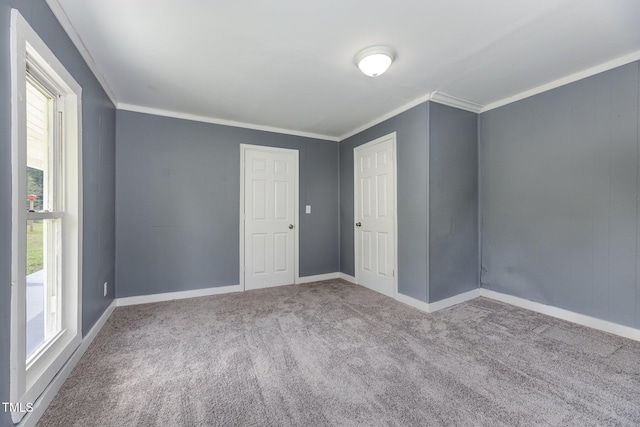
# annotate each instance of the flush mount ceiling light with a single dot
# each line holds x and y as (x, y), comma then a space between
(375, 60)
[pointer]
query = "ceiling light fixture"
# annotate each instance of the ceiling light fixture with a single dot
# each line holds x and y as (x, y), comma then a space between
(375, 60)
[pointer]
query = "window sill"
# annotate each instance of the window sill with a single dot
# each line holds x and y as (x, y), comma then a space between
(46, 365)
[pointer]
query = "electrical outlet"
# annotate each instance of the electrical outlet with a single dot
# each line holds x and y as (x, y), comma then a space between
(105, 287)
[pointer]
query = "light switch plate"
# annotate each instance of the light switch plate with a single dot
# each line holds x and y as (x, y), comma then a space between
(307, 209)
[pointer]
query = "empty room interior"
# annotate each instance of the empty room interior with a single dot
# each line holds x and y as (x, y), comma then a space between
(319, 213)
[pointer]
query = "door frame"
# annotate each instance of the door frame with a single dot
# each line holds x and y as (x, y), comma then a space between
(296, 192)
(394, 164)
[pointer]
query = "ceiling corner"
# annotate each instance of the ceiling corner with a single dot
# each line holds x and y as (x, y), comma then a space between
(422, 99)
(600, 68)
(219, 121)
(66, 25)
(454, 101)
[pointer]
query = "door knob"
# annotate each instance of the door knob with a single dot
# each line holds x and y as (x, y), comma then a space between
(358, 224)
(290, 226)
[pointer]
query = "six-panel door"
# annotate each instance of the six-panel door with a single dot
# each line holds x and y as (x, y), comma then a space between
(374, 215)
(269, 217)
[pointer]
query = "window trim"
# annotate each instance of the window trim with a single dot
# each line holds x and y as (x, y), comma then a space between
(28, 381)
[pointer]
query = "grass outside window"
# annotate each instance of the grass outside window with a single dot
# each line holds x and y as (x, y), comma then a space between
(35, 247)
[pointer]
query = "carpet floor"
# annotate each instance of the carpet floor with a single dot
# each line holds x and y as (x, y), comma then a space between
(332, 353)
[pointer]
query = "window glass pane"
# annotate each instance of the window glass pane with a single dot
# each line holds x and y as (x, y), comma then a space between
(43, 282)
(39, 150)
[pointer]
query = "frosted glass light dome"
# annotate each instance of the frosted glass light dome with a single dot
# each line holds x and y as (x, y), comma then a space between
(374, 61)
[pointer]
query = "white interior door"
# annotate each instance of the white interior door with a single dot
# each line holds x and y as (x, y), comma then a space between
(375, 206)
(270, 206)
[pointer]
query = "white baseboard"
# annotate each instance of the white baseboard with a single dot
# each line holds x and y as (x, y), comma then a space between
(52, 389)
(438, 305)
(454, 300)
(420, 305)
(560, 313)
(43, 402)
(317, 278)
(346, 277)
(169, 296)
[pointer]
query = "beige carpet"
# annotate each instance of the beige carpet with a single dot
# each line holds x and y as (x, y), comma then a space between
(332, 353)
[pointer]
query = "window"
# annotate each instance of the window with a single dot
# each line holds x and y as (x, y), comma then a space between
(47, 215)
(44, 234)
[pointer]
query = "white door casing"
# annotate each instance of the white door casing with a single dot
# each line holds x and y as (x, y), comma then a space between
(268, 217)
(375, 226)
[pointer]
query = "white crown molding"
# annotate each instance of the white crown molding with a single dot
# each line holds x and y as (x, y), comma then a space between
(387, 116)
(436, 96)
(463, 104)
(454, 101)
(606, 66)
(224, 122)
(64, 21)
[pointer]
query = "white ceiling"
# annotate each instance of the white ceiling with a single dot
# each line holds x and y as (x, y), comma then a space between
(288, 64)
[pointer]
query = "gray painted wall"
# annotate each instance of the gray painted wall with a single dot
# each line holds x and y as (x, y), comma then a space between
(411, 129)
(99, 176)
(559, 197)
(453, 201)
(437, 204)
(178, 201)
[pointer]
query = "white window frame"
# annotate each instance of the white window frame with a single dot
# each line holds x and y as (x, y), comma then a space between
(29, 380)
